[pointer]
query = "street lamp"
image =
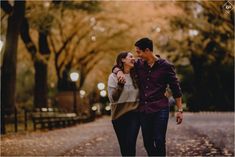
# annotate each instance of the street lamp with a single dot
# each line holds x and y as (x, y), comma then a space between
(103, 93)
(82, 93)
(74, 76)
(101, 86)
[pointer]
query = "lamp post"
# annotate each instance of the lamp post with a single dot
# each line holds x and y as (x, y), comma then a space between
(74, 76)
(101, 87)
(102, 95)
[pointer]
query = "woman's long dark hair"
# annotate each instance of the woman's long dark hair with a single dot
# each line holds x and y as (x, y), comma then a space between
(120, 65)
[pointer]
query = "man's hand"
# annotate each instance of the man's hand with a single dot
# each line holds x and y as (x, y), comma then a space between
(179, 117)
(121, 77)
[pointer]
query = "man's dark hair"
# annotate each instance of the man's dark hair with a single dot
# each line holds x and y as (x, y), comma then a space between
(144, 43)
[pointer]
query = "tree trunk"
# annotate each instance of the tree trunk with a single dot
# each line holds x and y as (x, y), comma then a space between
(25, 36)
(64, 83)
(8, 69)
(8, 76)
(41, 86)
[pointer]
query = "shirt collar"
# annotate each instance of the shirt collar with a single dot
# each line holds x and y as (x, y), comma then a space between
(155, 63)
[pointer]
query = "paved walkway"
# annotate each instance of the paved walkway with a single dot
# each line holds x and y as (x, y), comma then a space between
(201, 134)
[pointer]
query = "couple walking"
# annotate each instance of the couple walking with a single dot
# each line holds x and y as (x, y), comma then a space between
(136, 89)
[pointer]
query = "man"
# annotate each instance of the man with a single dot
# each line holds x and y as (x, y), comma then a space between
(154, 74)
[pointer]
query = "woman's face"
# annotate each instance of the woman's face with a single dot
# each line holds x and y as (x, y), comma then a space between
(129, 60)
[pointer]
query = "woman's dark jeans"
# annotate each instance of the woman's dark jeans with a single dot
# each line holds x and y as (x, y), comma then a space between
(153, 127)
(127, 129)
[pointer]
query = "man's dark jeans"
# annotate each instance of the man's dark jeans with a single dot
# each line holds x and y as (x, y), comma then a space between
(127, 129)
(154, 126)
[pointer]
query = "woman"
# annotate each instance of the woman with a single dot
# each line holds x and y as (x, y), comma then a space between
(124, 102)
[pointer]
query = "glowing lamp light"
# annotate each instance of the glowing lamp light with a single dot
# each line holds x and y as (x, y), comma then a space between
(101, 86)
(108, 108)
(82, 93)
(103, 93)
(74, 76)
(94, 108)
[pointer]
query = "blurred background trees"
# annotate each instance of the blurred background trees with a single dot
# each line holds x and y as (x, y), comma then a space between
(202, 45)
(8, 68)
(58, 37)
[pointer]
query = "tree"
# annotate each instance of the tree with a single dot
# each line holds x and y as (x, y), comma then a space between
(43, 22)
(88, 41)
(79, 44)
(40, 92)
(44, 27)
(8, 69)
(203, 39)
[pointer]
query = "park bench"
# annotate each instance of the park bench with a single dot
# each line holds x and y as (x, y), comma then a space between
(53, 118)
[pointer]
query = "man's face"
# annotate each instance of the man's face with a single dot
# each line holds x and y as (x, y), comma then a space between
(140, 53)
